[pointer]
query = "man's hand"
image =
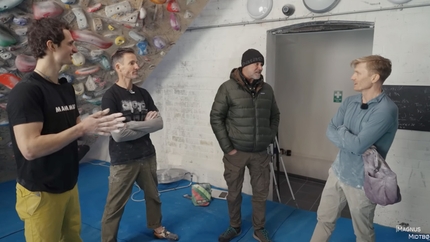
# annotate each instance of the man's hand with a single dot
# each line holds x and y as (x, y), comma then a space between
(233, 152)
(151, 115)
(102, 124)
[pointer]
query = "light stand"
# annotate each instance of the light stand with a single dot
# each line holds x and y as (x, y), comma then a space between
(274, 150)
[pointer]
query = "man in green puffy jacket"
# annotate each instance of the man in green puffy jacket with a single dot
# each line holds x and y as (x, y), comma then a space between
(245, 119)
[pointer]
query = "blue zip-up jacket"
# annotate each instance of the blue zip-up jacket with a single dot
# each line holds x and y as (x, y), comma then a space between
(354, 130)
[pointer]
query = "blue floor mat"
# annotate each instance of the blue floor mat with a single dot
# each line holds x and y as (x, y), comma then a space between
(202, 224)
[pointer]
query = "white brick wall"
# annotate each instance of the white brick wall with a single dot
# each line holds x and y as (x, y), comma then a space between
(184, 84)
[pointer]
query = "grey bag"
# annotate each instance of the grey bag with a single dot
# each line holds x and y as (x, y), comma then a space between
(380, 182)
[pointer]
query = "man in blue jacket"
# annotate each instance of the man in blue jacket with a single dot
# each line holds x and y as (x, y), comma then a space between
(369, 118)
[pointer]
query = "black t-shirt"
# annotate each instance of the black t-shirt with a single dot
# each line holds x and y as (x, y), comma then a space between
(134, 106)
(35, 99)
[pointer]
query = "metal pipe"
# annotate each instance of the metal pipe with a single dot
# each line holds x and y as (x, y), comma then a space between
(400, 7)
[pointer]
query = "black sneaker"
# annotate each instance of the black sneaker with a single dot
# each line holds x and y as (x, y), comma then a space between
(229, 234)
(261, 235)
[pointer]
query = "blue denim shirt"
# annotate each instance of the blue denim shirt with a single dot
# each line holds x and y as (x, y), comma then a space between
(353, 130)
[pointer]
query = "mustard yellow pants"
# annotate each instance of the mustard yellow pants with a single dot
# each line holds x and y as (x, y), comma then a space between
(49, 217)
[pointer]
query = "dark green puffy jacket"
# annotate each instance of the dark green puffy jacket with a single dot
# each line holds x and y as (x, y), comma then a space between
(242, 120)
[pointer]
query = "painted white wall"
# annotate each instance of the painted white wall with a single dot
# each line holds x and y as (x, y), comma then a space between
(185, 82)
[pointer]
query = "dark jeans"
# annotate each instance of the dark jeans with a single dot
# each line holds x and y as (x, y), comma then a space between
(259, 170)
(121, 180)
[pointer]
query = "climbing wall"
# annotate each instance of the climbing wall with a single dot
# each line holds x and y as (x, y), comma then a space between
(99, 28)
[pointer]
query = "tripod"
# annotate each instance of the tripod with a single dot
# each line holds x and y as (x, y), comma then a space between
(274, 150)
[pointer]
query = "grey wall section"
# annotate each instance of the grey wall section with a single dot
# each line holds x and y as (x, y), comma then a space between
(270, 60)
(99, 150)
(310, 67)
(270, 66)
(7, 161)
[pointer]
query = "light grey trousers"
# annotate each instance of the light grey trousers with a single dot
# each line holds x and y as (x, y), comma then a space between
(333, 199)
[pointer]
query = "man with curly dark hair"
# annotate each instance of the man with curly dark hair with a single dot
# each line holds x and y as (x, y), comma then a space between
(45, 125)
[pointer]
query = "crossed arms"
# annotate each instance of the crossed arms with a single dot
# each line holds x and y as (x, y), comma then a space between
(136, 129)
(372, 130)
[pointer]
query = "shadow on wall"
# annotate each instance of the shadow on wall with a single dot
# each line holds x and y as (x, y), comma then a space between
(99, 151)
(183, 47)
